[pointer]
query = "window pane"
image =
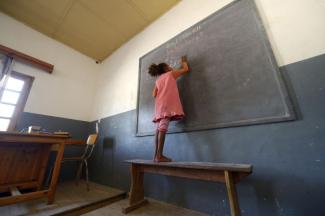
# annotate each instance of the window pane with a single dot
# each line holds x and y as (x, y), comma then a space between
(4, 123)
(14, 84)
(6, 110)
(10, 97)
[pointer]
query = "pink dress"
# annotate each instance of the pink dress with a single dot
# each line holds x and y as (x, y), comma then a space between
(168, 103)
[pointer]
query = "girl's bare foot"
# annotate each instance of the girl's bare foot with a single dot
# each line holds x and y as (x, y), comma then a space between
(167, 159)
(162, 159)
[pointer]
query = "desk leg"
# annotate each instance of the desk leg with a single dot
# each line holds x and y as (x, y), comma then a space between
(56, 173)
(136, 198)
(45, 160)
(232, 194)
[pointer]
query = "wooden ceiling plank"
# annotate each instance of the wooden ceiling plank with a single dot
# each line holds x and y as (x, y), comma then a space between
(96, 27)
(153, 9)
(109, 23)
(100, 35)
(139, 10)
(63, 16)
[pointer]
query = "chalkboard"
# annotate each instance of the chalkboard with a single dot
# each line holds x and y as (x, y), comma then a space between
(234, 79)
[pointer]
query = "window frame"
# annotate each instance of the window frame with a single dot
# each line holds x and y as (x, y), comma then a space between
(20, 105)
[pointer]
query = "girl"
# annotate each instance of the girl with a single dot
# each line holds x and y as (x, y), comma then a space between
(168, 106)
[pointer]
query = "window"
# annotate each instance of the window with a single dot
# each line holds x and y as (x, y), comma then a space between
(13, 98)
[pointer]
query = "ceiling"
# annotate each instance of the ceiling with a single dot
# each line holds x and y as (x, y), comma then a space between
(95, 28)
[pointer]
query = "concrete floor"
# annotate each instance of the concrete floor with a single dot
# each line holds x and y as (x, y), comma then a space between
(154, 208)
(72, 200)
(68, 197)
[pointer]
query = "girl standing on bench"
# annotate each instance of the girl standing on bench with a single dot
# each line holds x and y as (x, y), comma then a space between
(168, 106)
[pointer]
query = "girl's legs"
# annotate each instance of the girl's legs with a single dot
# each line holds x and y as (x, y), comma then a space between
(160, 140)
(156, 143)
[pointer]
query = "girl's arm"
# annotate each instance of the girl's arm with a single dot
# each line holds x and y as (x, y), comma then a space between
(183, 70)
(154, 92)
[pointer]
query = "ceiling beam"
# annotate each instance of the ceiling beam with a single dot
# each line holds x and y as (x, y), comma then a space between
(27, 58)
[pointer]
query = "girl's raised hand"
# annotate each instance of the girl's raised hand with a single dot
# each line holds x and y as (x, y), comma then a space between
(183, 70)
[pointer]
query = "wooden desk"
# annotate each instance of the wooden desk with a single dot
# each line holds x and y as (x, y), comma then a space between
(69, 142)
(23, 161)
(230, 174)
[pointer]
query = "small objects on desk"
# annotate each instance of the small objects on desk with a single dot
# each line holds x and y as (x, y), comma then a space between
(61, 133)
(34, 129)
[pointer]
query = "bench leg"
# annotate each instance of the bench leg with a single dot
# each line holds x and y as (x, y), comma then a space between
(232, 194)
(136, 198)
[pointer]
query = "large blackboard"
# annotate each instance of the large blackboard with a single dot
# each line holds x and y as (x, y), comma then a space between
(233, 79)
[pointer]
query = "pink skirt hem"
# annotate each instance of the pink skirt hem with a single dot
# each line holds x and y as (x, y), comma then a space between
(173, 116)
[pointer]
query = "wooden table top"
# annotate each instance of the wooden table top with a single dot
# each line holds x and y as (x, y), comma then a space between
(3, 133)
(4, 137)
(196, 165)
(75, 142)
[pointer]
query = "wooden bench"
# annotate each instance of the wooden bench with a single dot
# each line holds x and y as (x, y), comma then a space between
(230, 174)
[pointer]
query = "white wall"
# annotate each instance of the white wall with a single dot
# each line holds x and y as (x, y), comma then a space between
(68, 91)
(80, 89)
(295, 28)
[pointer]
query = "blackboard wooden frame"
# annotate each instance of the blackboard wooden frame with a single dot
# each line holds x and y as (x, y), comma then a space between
(286, 100)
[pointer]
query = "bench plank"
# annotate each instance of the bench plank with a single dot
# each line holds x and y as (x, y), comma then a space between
(197, 165)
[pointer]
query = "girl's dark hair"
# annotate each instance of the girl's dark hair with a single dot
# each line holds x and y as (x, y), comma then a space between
(156, 70)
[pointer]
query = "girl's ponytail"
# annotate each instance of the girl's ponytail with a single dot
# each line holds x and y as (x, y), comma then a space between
(156, 70)
(153, 70)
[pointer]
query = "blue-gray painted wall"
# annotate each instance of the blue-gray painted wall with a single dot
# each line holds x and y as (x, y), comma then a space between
(288, 158)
